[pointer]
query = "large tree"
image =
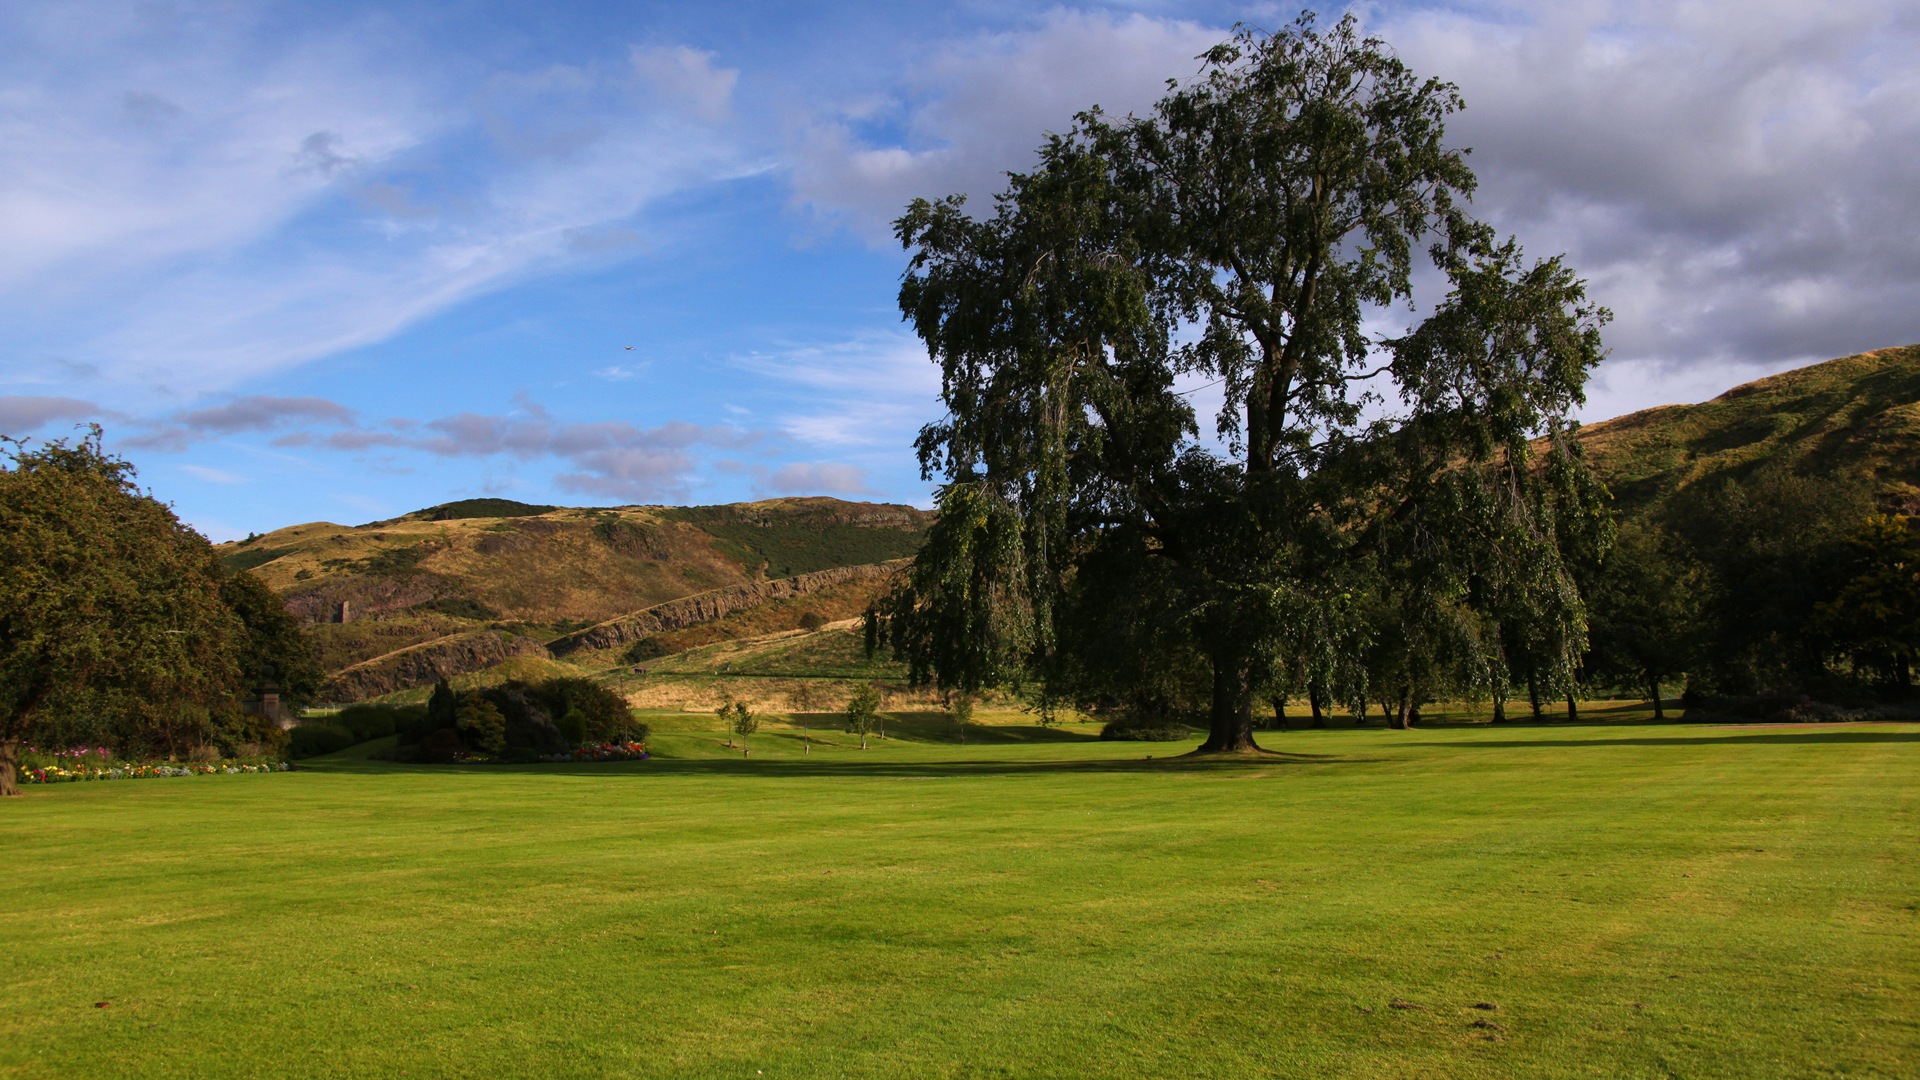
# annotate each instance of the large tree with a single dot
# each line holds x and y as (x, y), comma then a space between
(109, 606)
(1240, 236)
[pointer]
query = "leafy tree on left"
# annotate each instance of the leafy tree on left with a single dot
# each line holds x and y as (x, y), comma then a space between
(112, 621)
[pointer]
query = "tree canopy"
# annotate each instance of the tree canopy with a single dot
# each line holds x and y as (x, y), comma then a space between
(114, 616)
(1353, 494)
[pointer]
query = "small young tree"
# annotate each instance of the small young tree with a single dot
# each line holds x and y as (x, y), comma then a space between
(960, 713)
(863, 711)
(743, 720)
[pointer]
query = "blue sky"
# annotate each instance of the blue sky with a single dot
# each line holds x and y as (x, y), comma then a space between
(340, 261)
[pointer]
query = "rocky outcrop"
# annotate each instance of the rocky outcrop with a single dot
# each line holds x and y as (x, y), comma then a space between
(427, 662)
(718, 604)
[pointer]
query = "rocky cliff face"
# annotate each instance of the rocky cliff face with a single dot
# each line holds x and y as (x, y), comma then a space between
(422, 664)
(708, 606)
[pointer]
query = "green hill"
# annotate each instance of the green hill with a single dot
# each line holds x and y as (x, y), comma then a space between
(1859, 415)
(540, 572)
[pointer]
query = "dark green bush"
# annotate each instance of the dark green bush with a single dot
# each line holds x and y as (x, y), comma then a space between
(573, 726)
(647, 648)
(812, 621)
(316, 737)
(605, 716)
(529, 726)
(372, 721)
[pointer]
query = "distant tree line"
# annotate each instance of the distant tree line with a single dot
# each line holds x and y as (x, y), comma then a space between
(1778, 584)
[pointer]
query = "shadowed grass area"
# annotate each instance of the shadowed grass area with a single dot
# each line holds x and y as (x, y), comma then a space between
(1623, 900)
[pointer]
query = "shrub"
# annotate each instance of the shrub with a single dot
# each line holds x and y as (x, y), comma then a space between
(529, 727)
(604, 714)
(812, 621)
(482, 726)
(573, 726)
(316, 737)
(647, 648)
(370, 721)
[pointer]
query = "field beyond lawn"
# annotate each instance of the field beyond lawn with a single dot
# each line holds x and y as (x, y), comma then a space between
(1558, 900)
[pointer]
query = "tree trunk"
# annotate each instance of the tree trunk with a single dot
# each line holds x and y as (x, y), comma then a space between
(1573, 711)
(1230, 722)
(9, 767)
(1314, 699)
(1413, 712)
(1533, 698)
(1397, 710)
(1653, 684)
(1499, 710)
(1280, 713)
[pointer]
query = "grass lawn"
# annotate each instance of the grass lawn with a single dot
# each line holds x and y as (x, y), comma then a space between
(1625, 899)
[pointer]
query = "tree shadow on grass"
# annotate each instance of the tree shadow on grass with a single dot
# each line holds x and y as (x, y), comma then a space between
(836, 766)
(1809, 738)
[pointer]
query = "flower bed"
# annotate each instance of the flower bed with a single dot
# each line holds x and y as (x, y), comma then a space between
(96, 763)
(620, 751)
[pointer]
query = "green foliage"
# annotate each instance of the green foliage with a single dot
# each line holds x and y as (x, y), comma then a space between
(482, 726)
(604, 715)
(647, 648)
(482, 508)
(276, 649)
(573, 726)
(738, 717)
(1647, 615)
(111, 620)
(1875, 617)
(1772, 548)
(1274, 202)
(811, 621)
(443, 706)
(959, 707)
(316, 737)
(370, 721)
(863, 711)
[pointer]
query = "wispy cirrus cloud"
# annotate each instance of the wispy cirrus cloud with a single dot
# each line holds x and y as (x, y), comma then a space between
(255, 201)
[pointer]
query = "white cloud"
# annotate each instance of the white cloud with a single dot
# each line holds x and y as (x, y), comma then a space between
(192, 201)
(815, 478)
(976, 108)
(1735, 179)
(867, 392)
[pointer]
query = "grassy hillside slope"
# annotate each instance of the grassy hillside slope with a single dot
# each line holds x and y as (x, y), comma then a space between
(543, 571)
(1855, 415)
